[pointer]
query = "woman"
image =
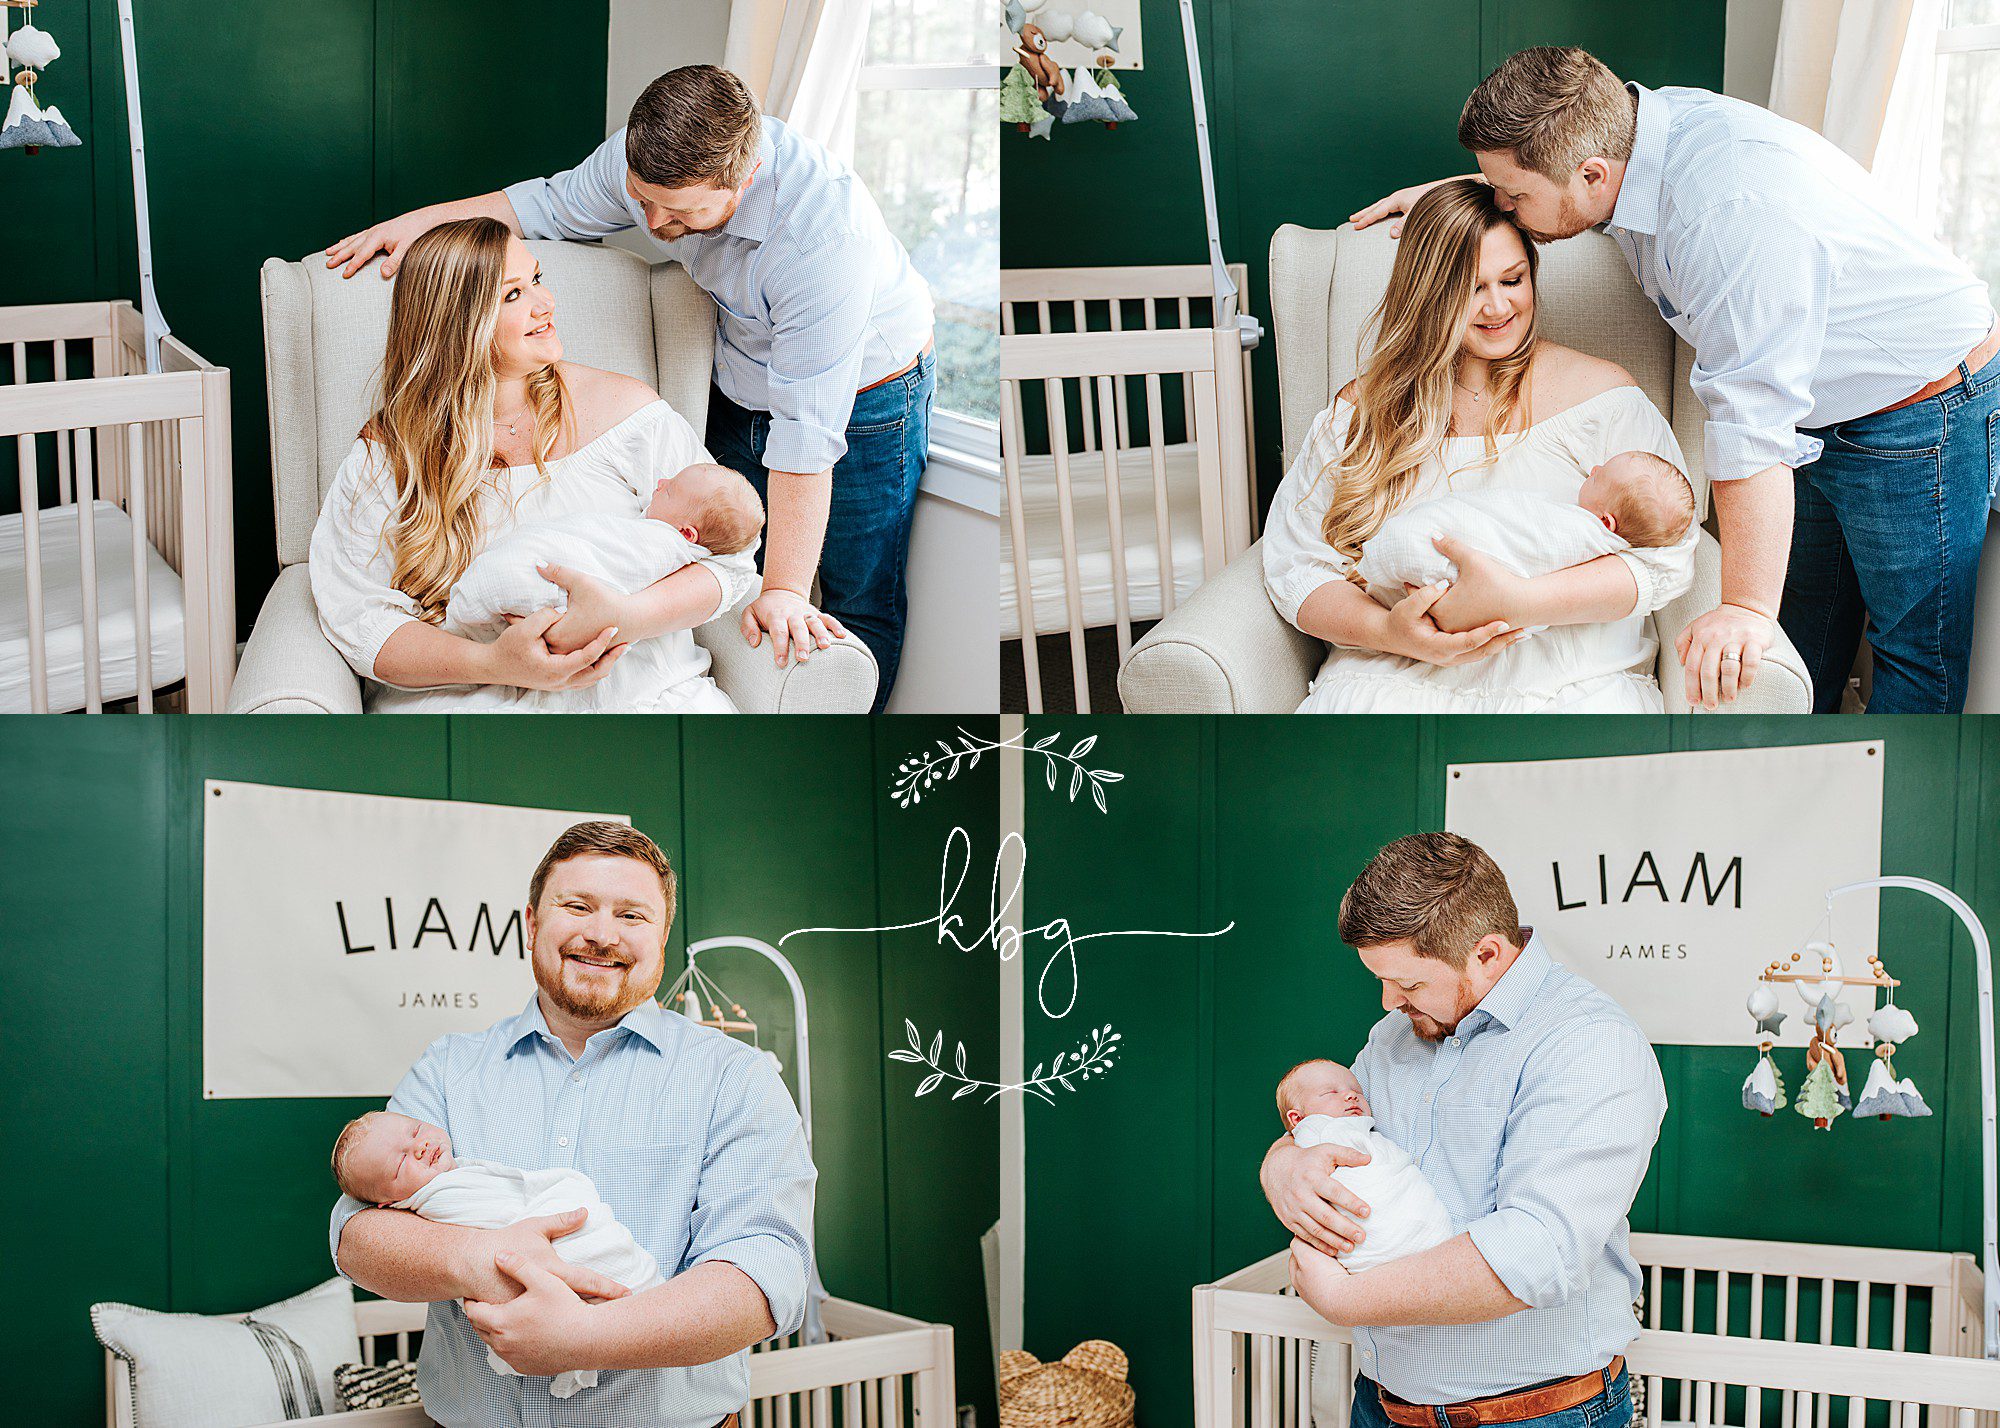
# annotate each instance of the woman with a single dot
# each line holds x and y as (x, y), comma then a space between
(1459, 394)
(483, 425)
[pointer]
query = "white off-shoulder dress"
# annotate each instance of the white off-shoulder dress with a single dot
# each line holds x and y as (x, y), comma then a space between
(1604, 668)
(359, 609)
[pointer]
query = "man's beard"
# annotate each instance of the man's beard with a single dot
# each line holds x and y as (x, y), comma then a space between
(1426, 1028)
(1569, 222)
(610, 997)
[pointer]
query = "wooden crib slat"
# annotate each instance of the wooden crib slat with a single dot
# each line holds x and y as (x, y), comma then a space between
(1687, 1327)
(1897, 1322)
(1114, 518)
(142, 593)
(1825, 1337)
(1017, 529)
(1208, 472)
(822, 1407)
(1124, 415)
(63, 492)
(1163, 520)
(1187, 389)
(31, 535)
(850, 1405)
(86, 534)
(1066, 515)
(1084, 406)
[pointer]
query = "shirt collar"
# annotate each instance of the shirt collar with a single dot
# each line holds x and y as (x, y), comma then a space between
(1638, 206)
(752, 219)
(1510, 997)
(647, 1021)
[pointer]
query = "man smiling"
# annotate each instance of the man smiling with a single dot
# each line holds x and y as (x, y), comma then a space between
(689, 1136)
(1531, 1102)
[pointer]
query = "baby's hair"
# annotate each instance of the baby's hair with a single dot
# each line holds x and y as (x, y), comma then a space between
(343, 1144)
(1285, 1079)
(1659, 512)
(731, 517)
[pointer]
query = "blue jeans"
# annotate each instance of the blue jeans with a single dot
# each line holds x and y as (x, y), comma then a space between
(863, 563)
(1886, 536)
(1610, 1409)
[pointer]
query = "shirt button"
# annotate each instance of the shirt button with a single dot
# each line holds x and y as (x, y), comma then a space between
(564, 1140)
(1427, 1098)
(577, 1077)
(1454, 1041)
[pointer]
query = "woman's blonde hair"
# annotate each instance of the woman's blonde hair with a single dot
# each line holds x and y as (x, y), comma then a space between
(1402, 411)
(435, 420)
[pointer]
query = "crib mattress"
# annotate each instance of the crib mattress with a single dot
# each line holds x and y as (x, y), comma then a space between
(1041, 516)
(62, 609)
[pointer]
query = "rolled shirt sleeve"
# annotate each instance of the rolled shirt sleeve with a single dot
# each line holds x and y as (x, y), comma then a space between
(350, 564)
(1766, 282)
(754, 1204)
(420, 1095)
(822, 302)
(581, 204)
(1297, 559)
(1579, 1136)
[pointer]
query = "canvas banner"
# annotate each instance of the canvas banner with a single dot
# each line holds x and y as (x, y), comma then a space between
(343, 933)
(1672, 880)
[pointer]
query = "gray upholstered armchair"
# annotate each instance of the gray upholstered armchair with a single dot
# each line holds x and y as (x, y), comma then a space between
(1227, 650)
(323, 340)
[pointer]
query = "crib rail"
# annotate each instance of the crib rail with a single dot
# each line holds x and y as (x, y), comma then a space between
(1116, 375)
(1737, 1334)
(156, 446)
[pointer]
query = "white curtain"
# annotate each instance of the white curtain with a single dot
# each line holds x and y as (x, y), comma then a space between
(1864, 74)
(802, 58)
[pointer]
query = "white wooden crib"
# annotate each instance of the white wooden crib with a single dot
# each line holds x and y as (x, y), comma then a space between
(876, 1370)
(123, 588)
(1737, 1334)
(1131, 485)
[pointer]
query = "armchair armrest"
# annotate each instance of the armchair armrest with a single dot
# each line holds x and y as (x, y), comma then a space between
(288, 667)
(837, 680)
(1225, 651)
(1782, 687)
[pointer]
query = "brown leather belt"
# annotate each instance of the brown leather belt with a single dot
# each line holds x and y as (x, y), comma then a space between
(1504, 1407)
(904, 370)
(1977, 358)
(729, 1422)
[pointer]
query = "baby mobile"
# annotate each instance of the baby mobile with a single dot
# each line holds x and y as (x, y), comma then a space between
(1037, 92)
(30, 125)
(1823, 1095)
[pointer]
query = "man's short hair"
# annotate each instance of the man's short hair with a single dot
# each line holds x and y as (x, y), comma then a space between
(1552, 107)
(604, 840)
(694, 125)
(1436, 891)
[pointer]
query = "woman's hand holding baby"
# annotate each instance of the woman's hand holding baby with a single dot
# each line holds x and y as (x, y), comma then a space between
(522, 659)
(1308, 1201)
(1410, 631)
(1485, 592)
(594, 607)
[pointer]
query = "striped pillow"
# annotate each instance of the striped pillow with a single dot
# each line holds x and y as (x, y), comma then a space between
(383, 1385)
(202, 1371)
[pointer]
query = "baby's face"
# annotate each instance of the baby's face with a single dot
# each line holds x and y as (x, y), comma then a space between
(1609, 483)
(676, 499)
(396, 1156)
(1324, 1089)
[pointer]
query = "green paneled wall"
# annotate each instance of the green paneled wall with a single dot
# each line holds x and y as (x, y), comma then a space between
(273, 128)
(1145, 1183)
(132, 1180)
(1316, 108)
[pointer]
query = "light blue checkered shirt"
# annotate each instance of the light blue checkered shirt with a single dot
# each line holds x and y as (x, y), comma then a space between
(691, 1139)
(1534, 1122)
(1809, 301)
(815, 299)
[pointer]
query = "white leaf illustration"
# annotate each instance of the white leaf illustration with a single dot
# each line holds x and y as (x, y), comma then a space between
(1083, 747)
(930, 1083)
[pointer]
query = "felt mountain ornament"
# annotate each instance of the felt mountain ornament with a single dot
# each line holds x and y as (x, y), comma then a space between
(1764, 1088)
(1819, 1097)
(1086, 1388)
(1886, 1095)
(1018, 104)
(31, 127)
(1114, 96)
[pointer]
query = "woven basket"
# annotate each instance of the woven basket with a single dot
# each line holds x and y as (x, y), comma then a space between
(1085, 1389)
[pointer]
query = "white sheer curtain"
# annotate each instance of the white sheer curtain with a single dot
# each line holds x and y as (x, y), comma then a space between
(802, 58)
(1864, 74)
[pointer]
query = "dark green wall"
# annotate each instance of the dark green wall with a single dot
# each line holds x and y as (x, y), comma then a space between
(773, 824)
(1145, 1183)
(1316, 108)
(275, 127)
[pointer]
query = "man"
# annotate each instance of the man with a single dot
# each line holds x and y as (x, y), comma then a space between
(690, 1137)
(1845, 360)
(1531, 1102)
(824, 369)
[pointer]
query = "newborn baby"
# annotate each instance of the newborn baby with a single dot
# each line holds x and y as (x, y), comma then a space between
(1322, 1104)
(1634, 499)
(704, 510)
(394, 1160)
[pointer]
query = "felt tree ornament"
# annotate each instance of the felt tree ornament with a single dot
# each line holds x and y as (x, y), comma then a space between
(30, 125)
(1018, 105)
(1764, 1088)
(1824, 1095)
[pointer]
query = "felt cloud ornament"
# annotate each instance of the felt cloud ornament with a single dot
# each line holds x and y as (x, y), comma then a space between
(1763, 1006)
(1056, 25)
(31, 48)
(1892, 1023)
(1094, 30)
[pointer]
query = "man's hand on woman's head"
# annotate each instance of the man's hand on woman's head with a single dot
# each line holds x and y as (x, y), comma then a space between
(390, 238)
(522, 659)
(1396, 205)
(795, 625)
(1298, 1181)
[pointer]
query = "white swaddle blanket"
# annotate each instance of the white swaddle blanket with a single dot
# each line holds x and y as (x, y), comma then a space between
(481, 1195)
(1529, 532)
(1405, 1214)
(627, 553)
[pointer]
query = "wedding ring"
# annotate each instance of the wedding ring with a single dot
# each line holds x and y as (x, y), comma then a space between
(1732, 656)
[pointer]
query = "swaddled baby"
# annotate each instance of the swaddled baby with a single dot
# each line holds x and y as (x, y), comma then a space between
(406, 1164)
(1635, 499)
(1321, 1102)
(704, 510)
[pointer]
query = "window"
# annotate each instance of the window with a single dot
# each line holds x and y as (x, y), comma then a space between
(1964, 200)
(927, 143)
